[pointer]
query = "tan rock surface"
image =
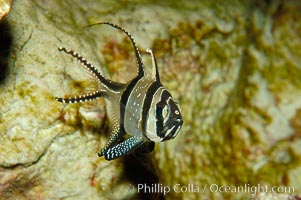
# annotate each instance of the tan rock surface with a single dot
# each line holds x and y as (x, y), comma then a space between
(235, 68)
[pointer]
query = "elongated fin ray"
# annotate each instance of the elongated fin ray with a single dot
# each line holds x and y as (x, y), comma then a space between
(155, 70)
(141, 72)
(85, 97)
(92, 70)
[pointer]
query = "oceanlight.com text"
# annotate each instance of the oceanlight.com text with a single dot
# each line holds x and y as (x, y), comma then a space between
(252, 189)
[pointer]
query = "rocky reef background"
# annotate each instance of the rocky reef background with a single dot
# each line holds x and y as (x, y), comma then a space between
(234, 67)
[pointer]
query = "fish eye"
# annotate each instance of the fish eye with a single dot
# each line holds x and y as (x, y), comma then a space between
(178, 110)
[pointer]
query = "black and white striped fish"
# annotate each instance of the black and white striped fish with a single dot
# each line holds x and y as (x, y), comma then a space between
(143, 108)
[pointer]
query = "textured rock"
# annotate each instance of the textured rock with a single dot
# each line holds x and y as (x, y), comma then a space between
(5, 7)
(235, 68)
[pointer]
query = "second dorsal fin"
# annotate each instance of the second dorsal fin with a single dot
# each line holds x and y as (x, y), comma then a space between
(140, 71)
(155, 74)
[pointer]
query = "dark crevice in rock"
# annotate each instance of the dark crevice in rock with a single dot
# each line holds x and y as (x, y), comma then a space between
(5, 46)
(26, 41)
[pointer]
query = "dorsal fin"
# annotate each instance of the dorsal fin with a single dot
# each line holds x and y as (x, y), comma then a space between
(92, 70)
(140, 70)
(155, 70)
